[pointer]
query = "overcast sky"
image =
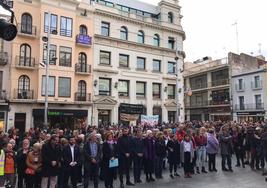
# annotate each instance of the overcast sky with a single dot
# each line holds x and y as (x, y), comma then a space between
(209, 30)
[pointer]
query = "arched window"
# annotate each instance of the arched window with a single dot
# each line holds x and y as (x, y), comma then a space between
(83, 30)
(25, 55)
(23, 87)
(156, 40)
(82, 62)
(141, 37)
(26, 23)
(81, 90)
(170, 17)
(124, 33)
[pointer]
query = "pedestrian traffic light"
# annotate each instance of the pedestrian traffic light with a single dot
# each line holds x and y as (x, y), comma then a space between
(8, 31)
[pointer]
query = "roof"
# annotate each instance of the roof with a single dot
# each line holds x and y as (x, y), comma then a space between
(146, 7)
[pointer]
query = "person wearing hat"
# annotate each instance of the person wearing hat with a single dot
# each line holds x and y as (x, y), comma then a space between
(125, 152)
(149, 156)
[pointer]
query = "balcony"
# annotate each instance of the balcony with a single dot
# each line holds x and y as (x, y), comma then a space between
(199, 86)
(25, 62)
(83, 97)
(222, 82)
(199, 104)
(27, 30)
(23, 94)
(216, 103)
(82, 69)
(252, 106)
(84, 40)
(256, 85)
(3, 58)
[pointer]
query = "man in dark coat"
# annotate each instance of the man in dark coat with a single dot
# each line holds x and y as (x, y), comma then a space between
(92, 156)
(226, 149)
(71, 161)
(125, 152)
(51, 156)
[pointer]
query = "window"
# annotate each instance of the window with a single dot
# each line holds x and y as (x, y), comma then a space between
(52, 55)
(141, 63)
(171, 43)
(25, 55)
(24, 83)
(258, 102)
(81, 95)
(141, 37)
(156, 90)
(156, 65)
(64, 87)
(82, 62)
(123, 88)
(257, 83)
(53, 23)
(171, 116)
(104, 86)
(105, 28)
(65, 26)
(105, 58)
(65, 56)
(171, 67)
(171, 91)
(83, 30)
(140, 89)
(26, 23)
(170, 17)
(124, 33)
(240, 84)
(241, 102)
(124, 60)
(51, 86)
(156, 40)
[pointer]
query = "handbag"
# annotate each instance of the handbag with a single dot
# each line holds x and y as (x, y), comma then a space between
(29, 171)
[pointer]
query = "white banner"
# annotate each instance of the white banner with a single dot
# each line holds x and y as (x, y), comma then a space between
(149, 120)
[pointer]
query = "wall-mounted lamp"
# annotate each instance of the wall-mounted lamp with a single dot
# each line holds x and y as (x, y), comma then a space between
(166, 89)
(95, 83)
(116, 85)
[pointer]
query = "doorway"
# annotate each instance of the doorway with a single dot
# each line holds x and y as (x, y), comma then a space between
(20, 122)
(104, 117)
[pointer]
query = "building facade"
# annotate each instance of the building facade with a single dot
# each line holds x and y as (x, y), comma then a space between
(208, 83)
(134, 62)
(248, 88)
(70, 61)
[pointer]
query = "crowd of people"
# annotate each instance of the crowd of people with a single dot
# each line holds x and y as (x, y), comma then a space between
(59, 158)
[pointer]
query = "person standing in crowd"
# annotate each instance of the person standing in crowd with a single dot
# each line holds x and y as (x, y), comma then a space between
(2, 164)
(71, 160)
(256, 149)
(238, 143)
(21, 162)
(149, 156)
(226, 148)
(80, 144)
(173, 147)
(51, 155)
(201, 142)
(187, 155)
(249, 138)
(92, 156)
(160, 151)
(125, 151)
(33, 167)
(10, 166)
(212, 149)
(110, 152)
(138, 149)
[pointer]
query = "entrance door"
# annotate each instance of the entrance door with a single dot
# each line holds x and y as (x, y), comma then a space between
(103, 117)
(20, 122)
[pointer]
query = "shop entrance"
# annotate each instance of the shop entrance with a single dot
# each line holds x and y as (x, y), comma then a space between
(20, 122)
(104, 117)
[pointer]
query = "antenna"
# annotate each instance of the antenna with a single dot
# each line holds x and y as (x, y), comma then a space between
(237, 41)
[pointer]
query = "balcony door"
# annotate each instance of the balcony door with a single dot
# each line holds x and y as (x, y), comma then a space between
(23, 87)
(82, 62)
(81, 90)
(25, 55)
(26, 23)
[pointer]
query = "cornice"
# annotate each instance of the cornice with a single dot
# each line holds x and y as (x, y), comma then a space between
(140, 22)
(133, 46)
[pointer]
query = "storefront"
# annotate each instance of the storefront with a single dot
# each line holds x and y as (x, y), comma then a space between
(250, 116)
(60, 118)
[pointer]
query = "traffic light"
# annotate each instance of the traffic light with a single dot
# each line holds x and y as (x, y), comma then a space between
(8, 31)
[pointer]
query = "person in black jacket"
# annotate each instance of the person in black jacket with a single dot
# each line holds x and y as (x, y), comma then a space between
(124, 147)
(21, 162)
(110, 152)
(160, 150)
(51, 155)
(138, 149)
(71, 160)
(173, 147)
